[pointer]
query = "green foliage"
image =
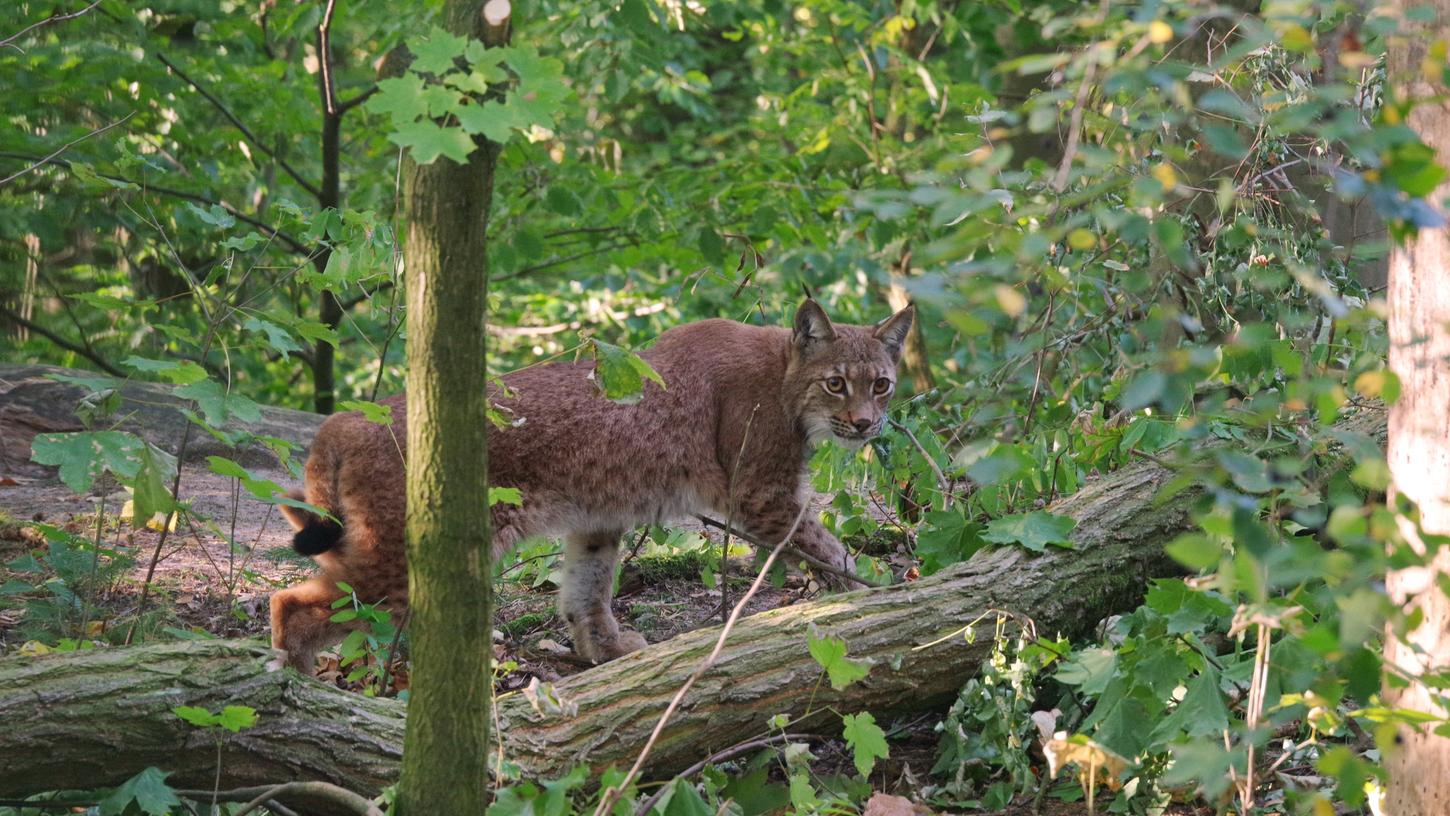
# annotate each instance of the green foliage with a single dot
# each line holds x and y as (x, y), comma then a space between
(146, 792)
(1178, 286)
(830, 652)
(372, 644)
(621, 374)
(62, 587)
(230, 718)
(866, 740)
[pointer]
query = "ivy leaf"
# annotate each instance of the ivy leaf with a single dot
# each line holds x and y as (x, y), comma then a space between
(146, 790)
(830, 652)
(866, 739)
(435, 53)
(401, 98)
(429, 141)
(1033, 530)
(620, 373)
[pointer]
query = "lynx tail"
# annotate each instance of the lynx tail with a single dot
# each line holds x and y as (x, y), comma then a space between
(314, 533)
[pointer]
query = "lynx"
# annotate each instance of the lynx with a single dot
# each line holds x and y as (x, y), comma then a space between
(739, 401)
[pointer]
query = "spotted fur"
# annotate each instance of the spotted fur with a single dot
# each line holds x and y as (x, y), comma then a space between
(590, 469)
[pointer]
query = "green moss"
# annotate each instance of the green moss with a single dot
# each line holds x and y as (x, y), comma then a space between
(684, 565)
(527, 622)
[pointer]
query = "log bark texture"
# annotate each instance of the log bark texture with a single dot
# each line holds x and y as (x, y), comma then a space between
(95, 718)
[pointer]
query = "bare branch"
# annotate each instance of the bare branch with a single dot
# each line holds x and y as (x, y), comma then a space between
(246, 131)
(54, 18)
(272, 232)
(100, 361)
(64, 148)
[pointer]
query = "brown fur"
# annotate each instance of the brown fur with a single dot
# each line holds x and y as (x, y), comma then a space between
(591, 469)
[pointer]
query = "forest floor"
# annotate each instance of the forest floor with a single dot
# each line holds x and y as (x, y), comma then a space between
(203, 585)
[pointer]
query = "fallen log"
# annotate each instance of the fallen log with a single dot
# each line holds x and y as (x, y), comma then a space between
(95, 718)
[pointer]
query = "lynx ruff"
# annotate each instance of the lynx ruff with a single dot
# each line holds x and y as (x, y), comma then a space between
(590, 469)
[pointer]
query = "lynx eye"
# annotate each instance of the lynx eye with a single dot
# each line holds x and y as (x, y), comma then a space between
(881, 387)
(836, 385)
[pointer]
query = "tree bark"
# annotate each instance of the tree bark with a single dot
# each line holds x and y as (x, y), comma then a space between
(65, 715)
(1419, 429)
(445, 757)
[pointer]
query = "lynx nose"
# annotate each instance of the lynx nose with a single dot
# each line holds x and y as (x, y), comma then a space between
(862, 425)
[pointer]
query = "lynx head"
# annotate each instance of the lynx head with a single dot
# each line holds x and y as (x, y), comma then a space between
(840, 378)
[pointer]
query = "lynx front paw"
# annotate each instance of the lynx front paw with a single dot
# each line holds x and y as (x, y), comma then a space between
(605, 649)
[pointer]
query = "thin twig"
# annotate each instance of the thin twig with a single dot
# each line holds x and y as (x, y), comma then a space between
(324, 58)
(54, 18)
(237, 122)
(730, 517)
(63, 148)
(793, 552)
(611, 795)
(100, 362)
(272, 232)
(943, 483)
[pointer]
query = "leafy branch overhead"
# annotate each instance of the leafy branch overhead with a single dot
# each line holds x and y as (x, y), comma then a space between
(456, 89)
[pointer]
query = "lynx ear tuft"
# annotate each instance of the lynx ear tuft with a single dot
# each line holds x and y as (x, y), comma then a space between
(812, 327)
(893, 330)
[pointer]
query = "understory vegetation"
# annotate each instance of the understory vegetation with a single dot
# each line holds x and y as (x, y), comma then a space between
(1135, 234)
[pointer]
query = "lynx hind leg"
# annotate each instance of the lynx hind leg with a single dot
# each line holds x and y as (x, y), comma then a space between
(300, 622)
(585, 596)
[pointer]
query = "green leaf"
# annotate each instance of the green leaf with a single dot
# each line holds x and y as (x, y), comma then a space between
(199, 717)
(441, 101)
(436, 52)
(81, 456)
(146, 790)
(947, 538)
(556, 800)
(371, 411)
(277, 337)
(400, 98)
(1033, 530)
(236, 718)
(178, 372)
(621, 373)
(217, 405)
(1089, 670)
(830, 652)
(429, 141)
(1201, 712)
(866, 740)
(1006, 463)
(495, 121)
(214, 215)
(505, 495)
(149, 492)
(1195, 551)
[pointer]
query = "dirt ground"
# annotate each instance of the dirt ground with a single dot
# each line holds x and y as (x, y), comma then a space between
(211, 586)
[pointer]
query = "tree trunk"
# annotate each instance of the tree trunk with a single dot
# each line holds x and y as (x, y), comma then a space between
(445, 757)
(65, 714)
(1419, 427)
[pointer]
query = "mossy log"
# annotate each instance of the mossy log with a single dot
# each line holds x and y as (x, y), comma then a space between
(94, 718)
